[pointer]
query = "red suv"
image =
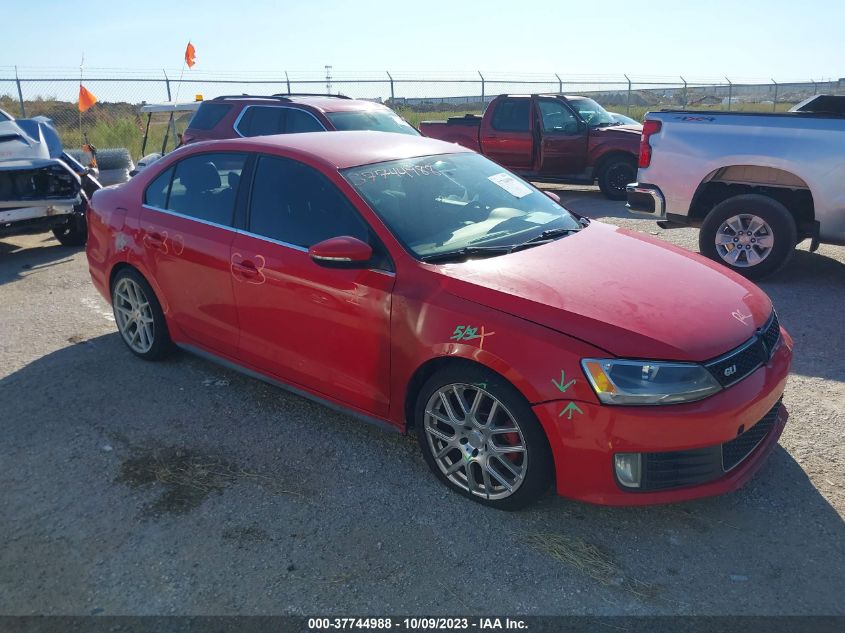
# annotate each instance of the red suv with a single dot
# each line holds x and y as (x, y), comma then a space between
(248, 115)
(418, 284)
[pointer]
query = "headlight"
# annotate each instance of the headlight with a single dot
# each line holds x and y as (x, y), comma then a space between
(648, 382)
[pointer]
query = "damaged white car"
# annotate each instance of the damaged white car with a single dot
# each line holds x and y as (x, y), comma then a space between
(42, 188)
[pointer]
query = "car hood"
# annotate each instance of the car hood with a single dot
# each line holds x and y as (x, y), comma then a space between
(625, 292)
(619, 130)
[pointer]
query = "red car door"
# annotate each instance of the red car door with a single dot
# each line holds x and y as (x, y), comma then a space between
(187, 232)
(325, 329)
(508, 137)
(563, 141)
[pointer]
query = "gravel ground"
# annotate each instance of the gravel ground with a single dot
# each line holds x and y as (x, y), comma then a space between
(135, 488)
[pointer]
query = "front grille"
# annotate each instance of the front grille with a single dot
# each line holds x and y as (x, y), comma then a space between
(739, 363)
(771, 333)
(736, 450)
(678, 469)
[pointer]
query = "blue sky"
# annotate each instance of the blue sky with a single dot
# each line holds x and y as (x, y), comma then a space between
(709, 39)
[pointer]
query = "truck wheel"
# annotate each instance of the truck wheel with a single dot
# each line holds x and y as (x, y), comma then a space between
(615, 174)
(74, 232)
(752, 234)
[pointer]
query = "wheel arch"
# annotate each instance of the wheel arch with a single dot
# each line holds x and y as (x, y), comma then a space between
(602, 159)
(781, 185)
(430, 367)
(117, 268)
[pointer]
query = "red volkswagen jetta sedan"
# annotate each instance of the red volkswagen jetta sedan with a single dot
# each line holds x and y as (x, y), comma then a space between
(418, 284)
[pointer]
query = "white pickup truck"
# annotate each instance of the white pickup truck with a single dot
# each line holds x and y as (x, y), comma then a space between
(756, 184)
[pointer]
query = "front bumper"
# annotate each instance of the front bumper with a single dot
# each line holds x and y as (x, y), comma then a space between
(584, 446)
(647, 199)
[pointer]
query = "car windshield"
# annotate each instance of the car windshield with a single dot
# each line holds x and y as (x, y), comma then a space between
(451, 203)
(592, 112)
(378, 120)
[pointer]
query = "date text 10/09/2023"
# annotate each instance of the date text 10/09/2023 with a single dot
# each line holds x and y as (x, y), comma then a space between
(416, 624)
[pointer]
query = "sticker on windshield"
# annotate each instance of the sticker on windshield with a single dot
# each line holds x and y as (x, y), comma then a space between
(540, 217)
(511, 185)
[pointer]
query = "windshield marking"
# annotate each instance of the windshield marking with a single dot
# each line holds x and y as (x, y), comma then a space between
(411, 171)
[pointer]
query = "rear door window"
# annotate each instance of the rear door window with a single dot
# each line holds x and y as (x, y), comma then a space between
(512, 115)
(261, 121)
(301, 121)
(205, 186)
(158, 190)
(209, 115)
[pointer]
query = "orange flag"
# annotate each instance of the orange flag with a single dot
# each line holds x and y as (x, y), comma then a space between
(190, 55)
(86, 99)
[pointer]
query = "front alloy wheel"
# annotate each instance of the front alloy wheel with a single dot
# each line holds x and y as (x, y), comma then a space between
(475, 441)
(480, 437)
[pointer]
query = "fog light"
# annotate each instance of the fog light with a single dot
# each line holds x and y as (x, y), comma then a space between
(627, 469)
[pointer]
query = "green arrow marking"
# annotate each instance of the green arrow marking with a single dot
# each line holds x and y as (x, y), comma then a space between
(570, 409)
(560, 385)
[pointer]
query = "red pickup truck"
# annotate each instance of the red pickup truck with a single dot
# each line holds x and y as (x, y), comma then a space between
(550, 137)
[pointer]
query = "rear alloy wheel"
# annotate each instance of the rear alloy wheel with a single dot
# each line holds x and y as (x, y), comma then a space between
(616, 174)
(752, 234)
(138, 315)
(481, 438)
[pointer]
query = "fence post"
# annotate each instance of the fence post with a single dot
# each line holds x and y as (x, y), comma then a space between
(392, 95)
(628, 100)
(686, 96)
(167, 83)
(815, 90)
(559, 84)
(482, 86)
(730, 93)
(287, 81)
(20, 94)
(775, 100)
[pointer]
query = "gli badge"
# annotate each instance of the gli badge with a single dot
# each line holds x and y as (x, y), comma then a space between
(730, 371)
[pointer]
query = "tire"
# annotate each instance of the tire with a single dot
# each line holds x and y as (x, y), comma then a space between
(756, 235)
(614, 174)
(107, 159)
(465, 447)
(138, 315)
(74, 232)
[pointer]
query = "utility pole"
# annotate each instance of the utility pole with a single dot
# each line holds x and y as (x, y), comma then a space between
(328, 79)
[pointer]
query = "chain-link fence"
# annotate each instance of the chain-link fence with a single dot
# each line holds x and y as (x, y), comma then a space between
(115, 120)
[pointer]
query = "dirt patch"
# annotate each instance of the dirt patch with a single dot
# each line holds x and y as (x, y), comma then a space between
(246, 535)
(185, 478)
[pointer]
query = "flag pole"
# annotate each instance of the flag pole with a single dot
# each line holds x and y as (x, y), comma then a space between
(179, 85)
(79, 105)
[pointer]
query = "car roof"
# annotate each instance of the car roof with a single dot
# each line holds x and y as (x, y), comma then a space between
(323, 103)
(340, 150)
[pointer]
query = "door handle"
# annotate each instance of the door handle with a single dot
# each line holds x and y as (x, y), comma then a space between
(245, 268)
(156, 241)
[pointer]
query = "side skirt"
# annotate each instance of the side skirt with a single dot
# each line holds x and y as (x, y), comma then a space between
(225, 362)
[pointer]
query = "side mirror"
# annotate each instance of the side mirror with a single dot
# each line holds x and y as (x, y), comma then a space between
(343, 251)
(553, 196)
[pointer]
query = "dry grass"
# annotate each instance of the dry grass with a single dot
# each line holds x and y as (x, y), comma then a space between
(589, 559)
